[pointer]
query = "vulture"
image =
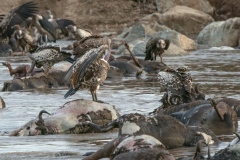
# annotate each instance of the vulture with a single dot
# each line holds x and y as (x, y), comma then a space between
(78, 33)
(87, 43)
(13, 17)
(24, 39)
(89, 71)
(47, 56)
(156, 46)
(45, 28)
(59, 24)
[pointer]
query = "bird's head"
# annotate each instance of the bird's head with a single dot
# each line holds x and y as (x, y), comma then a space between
(16, 27)
(161, 43)
(71, 28)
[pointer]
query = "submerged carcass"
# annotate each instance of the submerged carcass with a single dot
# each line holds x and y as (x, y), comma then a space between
(69, 119)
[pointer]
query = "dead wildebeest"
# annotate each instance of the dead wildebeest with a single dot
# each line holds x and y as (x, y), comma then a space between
(66, 119)
(131, 147)
(169, 131)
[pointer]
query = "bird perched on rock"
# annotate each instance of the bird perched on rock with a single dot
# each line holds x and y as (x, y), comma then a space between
(78, 33)
(94, 41)
(156, 46)
(47, 56)
(15, 16)
(88, 71)
(24, 39)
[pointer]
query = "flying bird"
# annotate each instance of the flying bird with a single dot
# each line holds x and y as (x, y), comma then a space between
(16, 16)
(47, 56)
(156, 46)
(88, 71)
(13, 17)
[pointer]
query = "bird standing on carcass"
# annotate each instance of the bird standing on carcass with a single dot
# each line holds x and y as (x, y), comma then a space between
(156, 46)
(89, 71)
(47, 56)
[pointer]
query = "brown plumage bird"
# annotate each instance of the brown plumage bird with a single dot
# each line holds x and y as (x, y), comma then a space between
(45, 28)
(24, 39)
(87, 43)
(156, 46)
(88, 71)
(15, 16)
(47, 56)
(78, 33)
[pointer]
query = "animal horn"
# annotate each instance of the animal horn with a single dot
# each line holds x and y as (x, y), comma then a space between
(237, 135)
(132, 55)
(214, 104)
(40, 114)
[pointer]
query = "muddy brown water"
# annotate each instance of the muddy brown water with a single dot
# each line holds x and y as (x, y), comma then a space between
(217, 71)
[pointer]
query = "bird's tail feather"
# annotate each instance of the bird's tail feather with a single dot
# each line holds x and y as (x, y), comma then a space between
(71, 92)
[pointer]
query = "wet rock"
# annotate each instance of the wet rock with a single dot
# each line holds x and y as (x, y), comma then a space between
(2, 103)
(201, 5)
(223, 33)
(138, 44)
(225, 9)
(178, 39)
(183, 19)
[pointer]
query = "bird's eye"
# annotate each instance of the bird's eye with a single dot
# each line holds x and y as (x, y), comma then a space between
(28, 127)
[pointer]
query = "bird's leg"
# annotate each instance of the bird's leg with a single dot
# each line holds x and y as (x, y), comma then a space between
(46, 39)
(161, 58)
(93, 97)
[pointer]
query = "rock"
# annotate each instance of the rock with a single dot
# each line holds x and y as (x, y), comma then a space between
(223, 33)
(178, 39)
(201, 5)
(183, 19)
(2, 103)
(225, 9)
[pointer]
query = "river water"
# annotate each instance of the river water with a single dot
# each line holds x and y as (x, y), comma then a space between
(217, 71)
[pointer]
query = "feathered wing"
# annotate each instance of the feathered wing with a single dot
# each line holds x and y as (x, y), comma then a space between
(149, 46)
(78, 70)
(63, 23)
(49, 27)
(16, 16)
(167, 41)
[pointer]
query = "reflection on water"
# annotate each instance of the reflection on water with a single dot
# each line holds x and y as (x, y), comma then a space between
(218, 73)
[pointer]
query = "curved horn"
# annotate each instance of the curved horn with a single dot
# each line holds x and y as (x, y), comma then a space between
(237, 135)
(214, 104)
(175, 99)
(40, 114)
(132, 55)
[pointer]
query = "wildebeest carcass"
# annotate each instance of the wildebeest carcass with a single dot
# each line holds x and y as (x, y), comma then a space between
(68, 119)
